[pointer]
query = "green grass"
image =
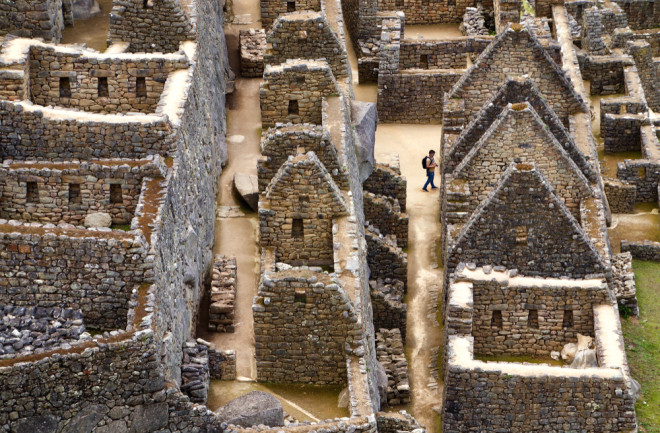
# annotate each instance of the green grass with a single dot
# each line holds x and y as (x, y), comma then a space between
(643, 344)
(124, 227)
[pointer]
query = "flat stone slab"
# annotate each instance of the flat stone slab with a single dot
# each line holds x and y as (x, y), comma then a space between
(98, 219)
(229, 212)
(365, 119)
(247, 187)
(254, 408)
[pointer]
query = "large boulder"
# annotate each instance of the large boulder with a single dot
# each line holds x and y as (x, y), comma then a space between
(36, 424)
(85, 9)
(148, 418)
(98, 219)
(365, 120)
(247, 187)
(254, 408)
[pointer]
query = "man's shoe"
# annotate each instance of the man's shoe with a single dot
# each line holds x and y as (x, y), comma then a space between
(434, 187)
(425, 190)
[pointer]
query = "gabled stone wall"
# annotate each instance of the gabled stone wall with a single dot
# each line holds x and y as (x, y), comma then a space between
(293, 92)
(152, 26)
(303, 323)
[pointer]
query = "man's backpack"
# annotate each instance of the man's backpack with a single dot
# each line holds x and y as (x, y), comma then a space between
(424, 162)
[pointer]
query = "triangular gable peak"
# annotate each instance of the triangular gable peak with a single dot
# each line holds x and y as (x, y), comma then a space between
(523, 225)
(516, 52)
(515, 90)
(519, 135)
(303, 182)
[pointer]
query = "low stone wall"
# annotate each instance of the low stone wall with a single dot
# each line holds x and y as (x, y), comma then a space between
(222, 364)
(621, 132)
(159, 26)
(389, 348)
(24, 331)
(28, 132)
(385, 258)
(524, 397)
(32, 19)
(646, 69)
(623, 279)
(195, 372)
(389, 308)
(642, 250)
(271, 9)
(474, 23)
(605, 73)
(84, 71)
(385, 214)
(642, 173)
(428, 11)
(223, 294)
(390, 422)
(450, 54)
(387, 180)
(620, 195)
(69, 192)
(252, 45)
(303, 324)
(91, 271)
(641, 14)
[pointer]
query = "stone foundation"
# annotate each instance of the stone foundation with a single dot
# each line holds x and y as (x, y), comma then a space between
(391, 356)
(223, 294)
(252, 45)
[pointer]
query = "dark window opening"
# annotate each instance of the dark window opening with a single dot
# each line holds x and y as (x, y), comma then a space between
(300, 79)
(568, 319)
(303, 199)
(399, 3)
(297, 229)
(65, 87)
(140, 87)
(423, 61)
(641, 172)
(451, 3)
(293, 107)
(291, 6)
(521, 236)
(496, 319)
(32, 192)
(74, 193)
(115, 193)
(300, 296)
(533, 319)
(103, 87)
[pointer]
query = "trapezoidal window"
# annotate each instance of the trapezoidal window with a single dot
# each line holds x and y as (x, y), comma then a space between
(293, 107)
(521, 236)
(103, 87)
(290, 6)
(568, 319)
(65, 87)
(496, 319)
(140, 87)
(423, 61)
(115, 193)
(31, 192)
(399, 3)
(297, 229)
(300, 296)
(533, 319)
(74, 193)
(641, 172)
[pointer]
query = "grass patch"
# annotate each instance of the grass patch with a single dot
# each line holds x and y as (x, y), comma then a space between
(643, 344)
(124, 227)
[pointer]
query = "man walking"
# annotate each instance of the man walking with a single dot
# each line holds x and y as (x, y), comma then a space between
(429, 164)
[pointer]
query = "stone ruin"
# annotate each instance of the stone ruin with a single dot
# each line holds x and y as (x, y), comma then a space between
(135, 138)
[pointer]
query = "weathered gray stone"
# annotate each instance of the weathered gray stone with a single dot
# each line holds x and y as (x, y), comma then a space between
(113, 427)
(247, 187)
(36, 424)
(85, 9)
(365, 119)
(148, 418)
(254, 408)
(86, 419)
(99, 219)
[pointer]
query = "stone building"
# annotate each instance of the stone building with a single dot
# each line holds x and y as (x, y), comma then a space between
(34, 19)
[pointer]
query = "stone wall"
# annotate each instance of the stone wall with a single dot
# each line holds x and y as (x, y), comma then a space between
(69, 192)
(222, 364)
(28, 132)
(621, 195)
(94, 272)
(605, 74)
(32, 19)
(195, 372)
(391, 356)
(515, 397)
(592, 32)
(506, 12)
(223, 294)
(387, 180)
(388, 305)
(293, 92)
(303, 321)
(284, 140)
(643, 57)
(78, 85)
(642, 250)
(428, 11)
(252, 45)
(385, 213)
(306, 35)
(451, 54)
(624, 283)
(385, 258)
(621, 132)
(641, 14)
(156, 26)
(644, 174)
(271, 9)
(521, 334)
(296, 215)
